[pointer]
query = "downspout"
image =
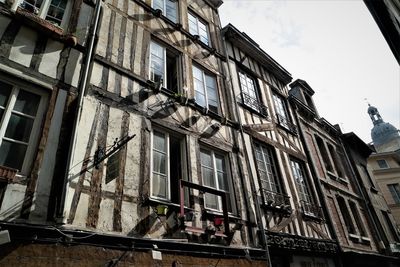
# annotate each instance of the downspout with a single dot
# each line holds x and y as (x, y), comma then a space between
(366, 203)
(319, 186)
(81, 93)
(256, 203)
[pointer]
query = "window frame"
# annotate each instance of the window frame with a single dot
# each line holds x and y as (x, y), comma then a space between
(304, 189)
(257, 100)
(230, 191)
(357, 218)
(344, 211)
(164, 9)
(199, 20)
(284, 120)
(206, 74)
(36, 129)
(394, 190)
(44, 9)
(382, 164)
(169, 182)
(165, 51)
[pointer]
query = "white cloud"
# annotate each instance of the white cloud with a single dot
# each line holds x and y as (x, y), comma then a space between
(335, 46)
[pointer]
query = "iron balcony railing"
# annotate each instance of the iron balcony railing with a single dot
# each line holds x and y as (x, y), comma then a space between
(254, 104)
(311, 210)
(284, 122)
(276, 200)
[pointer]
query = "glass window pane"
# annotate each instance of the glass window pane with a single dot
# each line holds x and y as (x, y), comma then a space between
(1, 114)
(222, 182)
(56, 11)
(205, 158)
(159, 184)
(27, 103)
(197, 73)
(19, 128)
(171, 11)
(220, 163)
(5, 91)
(12, 154)
(208, 177)
(159, 165)
(200, 99)
(158, 4)
(159, 141)
(211, 201)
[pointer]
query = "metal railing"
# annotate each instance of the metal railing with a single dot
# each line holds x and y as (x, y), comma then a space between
(284, 122)
(311, 209)
(276, 200)
(254, 104)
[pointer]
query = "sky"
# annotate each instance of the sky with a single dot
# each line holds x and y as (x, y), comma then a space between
(335, 46)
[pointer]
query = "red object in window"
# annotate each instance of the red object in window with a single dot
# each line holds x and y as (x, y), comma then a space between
(7, 174)
(218, 221)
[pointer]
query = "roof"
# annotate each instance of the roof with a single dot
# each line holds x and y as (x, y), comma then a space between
(352, 139)
(250, 47)
(216, 3)
(303, 84)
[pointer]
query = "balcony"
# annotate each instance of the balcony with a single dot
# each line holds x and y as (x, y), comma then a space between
(311, 210)
(7, 174)
(285, 123)
(254, 104)
(276, 201)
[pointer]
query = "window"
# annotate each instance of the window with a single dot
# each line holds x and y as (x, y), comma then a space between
(198, 27)
(382, 164)
(205, 89)
(336, 160)
(54, 11)
(214, 173)
(249, 91)
(168, 7)
(167, 162)
(390, 225)
(266, 168)
(324, 154)
(21, 113)
(395, 191)
(346, 215)
(163, 66)
(300, 179)
(282, 113)
(357, 218)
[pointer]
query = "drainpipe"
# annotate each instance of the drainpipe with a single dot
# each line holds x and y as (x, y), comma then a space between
(60, 213)
(319, 185)
(255, 197)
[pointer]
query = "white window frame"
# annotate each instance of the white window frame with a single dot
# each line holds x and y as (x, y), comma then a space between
(35, 131)
(267, 161)
(249, 88)
(204, 87)
(167, 161)
(281, 109)
(195, 30)
(164, 76)
(163, 8)
(300, 178)
(215, 177)
(43, 10)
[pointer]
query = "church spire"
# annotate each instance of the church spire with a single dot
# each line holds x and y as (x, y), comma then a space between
(374, 114)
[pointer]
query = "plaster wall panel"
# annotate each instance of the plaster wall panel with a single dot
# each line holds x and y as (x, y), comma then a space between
(103, 36)
(96, 76)
(73, 68)
(105, 222)
(82, 211)
(13, 199)
(23, 46)
(50, 58)
(46, 171)
(83, 26)
(132, 168)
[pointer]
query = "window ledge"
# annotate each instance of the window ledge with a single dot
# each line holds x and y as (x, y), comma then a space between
(155, 201)
(214, 213)
(45, 27)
